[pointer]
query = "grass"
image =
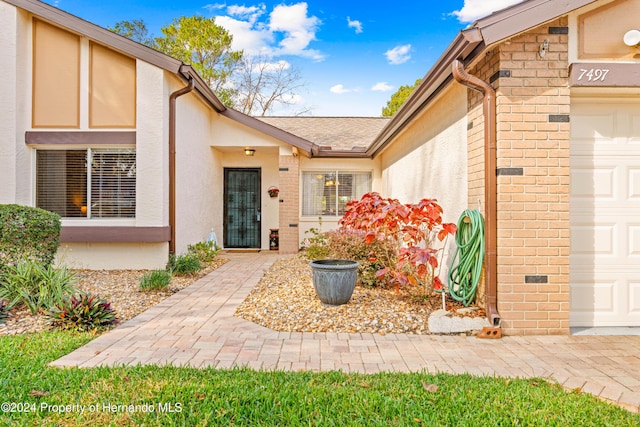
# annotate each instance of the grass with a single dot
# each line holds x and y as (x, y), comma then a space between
(156, 280)
(256, 398)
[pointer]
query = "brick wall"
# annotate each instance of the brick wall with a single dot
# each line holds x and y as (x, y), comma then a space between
(289, 201)
(533, 177)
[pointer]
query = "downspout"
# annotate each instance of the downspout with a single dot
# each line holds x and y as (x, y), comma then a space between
(172, 160)
(491, 187)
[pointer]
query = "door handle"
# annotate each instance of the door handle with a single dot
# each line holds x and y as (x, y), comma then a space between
(258, 215)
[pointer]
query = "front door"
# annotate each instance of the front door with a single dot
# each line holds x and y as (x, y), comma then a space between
(242, 208)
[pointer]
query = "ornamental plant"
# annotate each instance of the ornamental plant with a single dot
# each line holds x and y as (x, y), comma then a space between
(411, 229)
(83, 312)
(155, 280)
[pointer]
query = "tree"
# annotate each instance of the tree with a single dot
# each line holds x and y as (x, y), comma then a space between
(135, 30)
(398, 98)
(206, 46)
(262, 84)
(251, 84)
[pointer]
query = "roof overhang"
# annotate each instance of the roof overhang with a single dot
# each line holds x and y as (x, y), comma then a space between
(308, 148)
(467, 46)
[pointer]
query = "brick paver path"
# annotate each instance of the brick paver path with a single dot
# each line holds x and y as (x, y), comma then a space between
(196, 327)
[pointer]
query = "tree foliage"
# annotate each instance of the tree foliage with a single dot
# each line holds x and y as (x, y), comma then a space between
(135, 30)
(398, 98)
(252, 84)
(206, 46)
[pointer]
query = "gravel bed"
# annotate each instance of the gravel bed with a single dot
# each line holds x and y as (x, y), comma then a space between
(119, 287)
(285, 300)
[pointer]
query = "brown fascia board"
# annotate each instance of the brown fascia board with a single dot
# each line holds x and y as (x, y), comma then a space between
(187, 72)
(307, 147)
(523, 16)
(463, 46)
(467, 45)
(343, 154)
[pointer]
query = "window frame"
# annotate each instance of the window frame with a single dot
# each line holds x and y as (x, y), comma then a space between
(337, 173)
(89, 150)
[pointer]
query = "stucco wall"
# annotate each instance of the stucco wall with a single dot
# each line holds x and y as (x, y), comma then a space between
(429, 158)
(152, 147)
(197, 200)
(113, 256)
(8, 101)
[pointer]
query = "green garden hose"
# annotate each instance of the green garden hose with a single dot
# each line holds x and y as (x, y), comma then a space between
(463, 278)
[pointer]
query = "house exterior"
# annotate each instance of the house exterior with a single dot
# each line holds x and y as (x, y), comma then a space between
(531, 115)
(132, 148)
(540, 103)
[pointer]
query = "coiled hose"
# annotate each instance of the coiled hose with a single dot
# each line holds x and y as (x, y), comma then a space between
(463, 279)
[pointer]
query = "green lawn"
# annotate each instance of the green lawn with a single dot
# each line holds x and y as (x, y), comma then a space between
(190, 397)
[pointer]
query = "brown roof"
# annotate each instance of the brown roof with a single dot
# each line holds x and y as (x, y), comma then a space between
(332, 134)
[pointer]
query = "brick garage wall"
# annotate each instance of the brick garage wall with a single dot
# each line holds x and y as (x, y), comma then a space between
(289, 201)
(533, 177)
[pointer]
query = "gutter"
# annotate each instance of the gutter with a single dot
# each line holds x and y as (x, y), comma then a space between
(490, 186)
(172, 159)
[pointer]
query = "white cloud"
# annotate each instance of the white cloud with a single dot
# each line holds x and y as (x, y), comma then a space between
(476, 9)
(399, 54)
(246, 36)
(382, 87)
(340, 89)
(251, 13)
(287, 30)
(354, 24)
(298, 28)
(214, 6)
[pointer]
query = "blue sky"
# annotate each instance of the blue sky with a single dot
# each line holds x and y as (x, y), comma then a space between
(351, 58)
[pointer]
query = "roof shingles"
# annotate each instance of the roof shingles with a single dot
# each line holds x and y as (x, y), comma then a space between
(339, 133)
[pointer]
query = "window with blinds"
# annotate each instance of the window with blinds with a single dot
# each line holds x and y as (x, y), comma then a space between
(326, 193)
(90, 183)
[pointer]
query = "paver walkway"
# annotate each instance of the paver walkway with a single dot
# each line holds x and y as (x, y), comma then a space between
(196, 327)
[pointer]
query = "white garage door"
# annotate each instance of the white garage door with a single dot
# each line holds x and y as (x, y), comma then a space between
(605, 212)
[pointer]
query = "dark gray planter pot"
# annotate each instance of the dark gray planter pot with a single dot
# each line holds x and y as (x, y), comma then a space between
(334, 279)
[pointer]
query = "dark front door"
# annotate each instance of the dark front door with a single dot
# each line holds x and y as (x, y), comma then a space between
(242, 208)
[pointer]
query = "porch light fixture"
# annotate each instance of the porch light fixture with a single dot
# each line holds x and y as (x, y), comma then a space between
(632, 38)
(544, 48)
(249, 151)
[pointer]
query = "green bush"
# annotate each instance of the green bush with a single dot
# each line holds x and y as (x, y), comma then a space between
(183, 265)
(35, 286)
(316, 246)
(27, 233)
(83, 312)
(204, 251)
(372, 257)
(156, 280)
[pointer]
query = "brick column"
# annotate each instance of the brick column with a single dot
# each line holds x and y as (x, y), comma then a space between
(533, 132)
(289, 202)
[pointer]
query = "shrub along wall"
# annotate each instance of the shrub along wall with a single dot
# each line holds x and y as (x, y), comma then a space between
(28, 233)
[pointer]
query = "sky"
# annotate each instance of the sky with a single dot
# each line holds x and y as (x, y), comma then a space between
(351, 58)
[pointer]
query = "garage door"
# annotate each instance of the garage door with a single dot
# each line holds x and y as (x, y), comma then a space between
(605, 212)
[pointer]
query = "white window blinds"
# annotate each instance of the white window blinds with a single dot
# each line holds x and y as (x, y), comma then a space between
(326, 193)
(66, 185)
